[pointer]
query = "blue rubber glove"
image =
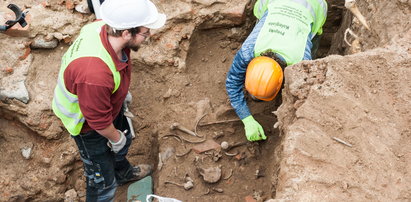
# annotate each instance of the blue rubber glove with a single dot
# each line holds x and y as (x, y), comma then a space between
(253, 130)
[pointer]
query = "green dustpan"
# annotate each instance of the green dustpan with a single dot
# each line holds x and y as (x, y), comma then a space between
(139, 190)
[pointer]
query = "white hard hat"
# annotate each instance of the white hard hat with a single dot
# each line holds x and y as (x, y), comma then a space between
(126, 14)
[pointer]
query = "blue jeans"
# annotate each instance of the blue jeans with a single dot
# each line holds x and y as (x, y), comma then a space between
(103, 169)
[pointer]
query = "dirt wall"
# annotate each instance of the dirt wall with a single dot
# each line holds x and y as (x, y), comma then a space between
(361, 99)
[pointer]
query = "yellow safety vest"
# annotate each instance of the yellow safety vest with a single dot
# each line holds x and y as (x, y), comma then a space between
(65, 104)
(287, 26)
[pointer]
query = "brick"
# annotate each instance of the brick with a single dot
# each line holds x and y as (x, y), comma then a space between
(69, 4)
(206, 146)
(249, 198)
(239, 156)
(17, 30)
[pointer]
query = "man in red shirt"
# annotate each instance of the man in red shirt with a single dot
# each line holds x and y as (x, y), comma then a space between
(93, 83)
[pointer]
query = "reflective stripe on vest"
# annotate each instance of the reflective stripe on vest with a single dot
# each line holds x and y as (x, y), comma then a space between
(65, 104)
(286, 28)
(317, 8)
(259, 8)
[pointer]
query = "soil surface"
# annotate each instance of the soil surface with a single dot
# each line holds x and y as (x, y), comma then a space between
(340, 129)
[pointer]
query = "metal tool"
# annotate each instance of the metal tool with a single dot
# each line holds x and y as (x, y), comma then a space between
(20, 18)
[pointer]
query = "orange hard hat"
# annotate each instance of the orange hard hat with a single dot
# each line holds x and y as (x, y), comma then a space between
(263, 78)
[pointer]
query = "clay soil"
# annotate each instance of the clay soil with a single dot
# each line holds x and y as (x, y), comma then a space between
(358, 95)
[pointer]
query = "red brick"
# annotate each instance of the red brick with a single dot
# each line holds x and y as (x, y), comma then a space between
(205, 146)
(249, 198)
(69, 4)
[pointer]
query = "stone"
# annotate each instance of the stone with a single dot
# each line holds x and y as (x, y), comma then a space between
(70, 196)
(41, 43)
(210, 175)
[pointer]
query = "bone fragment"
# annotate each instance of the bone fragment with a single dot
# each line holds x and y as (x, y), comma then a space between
(352, 6)
(188, 185)
(183, 154)
(224, 145)
(180, 139)
(230, 154)
(210, 175)
(219, 190)
(229, 175)
(227, 146)
(198, 121)
(342, 142)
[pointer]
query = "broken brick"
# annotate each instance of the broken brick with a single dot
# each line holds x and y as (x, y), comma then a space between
(69, 4)
(206, 146)
(249, 198)
(26, 53)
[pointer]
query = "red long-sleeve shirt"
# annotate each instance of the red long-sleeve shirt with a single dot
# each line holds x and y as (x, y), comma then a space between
(92, 81)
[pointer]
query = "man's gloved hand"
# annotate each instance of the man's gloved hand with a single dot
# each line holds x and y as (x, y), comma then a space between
(117, 146)
(253, 130)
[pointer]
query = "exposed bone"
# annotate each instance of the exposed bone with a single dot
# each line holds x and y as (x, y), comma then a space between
(352, 6)
(230, 154)
(216, 156)
(276, 124)
(174, 183)
(257, 195)
(181, 138)
(188, 185)
(224, 145)
(229, 175)
(355, 46)
(218, 135)
(198, 121)
(182, 128)
(188, 178)
(207, 192)
(348, 30)
(210, 175)
(219, 190)
(258, 174)
(178, 138)
(183, 154)
(342, 142)
(231, 146)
